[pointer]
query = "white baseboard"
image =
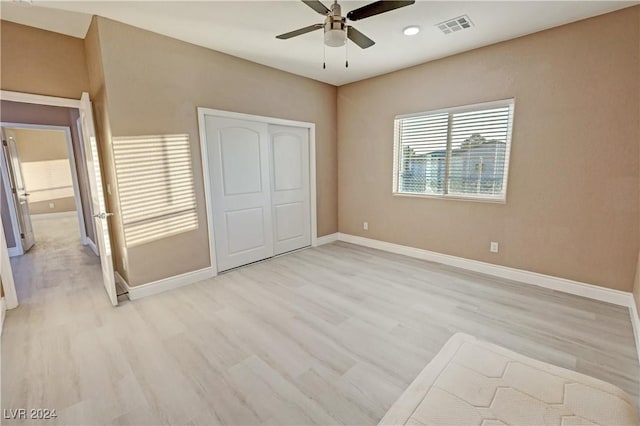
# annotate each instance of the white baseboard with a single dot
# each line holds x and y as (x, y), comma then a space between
(120, 279)
(155, 287)
(590, 291)
(93, 247)
(326, 239)
(57, 215)
(14, 251)
(148, 289)
(3, 312)
(616, 297)
(635, 322)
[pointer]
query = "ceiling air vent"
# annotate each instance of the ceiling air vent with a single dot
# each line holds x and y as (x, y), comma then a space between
(456, 24)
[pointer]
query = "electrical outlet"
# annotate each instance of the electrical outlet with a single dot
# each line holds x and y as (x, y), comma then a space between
(493, 247)
(109, 188)
(365, 226)
(52, 205)
(124, 263)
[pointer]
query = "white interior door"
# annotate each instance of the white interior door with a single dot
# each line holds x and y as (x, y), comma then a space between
(19, 192)
(238, 156)
(101, 216)
(290, 188)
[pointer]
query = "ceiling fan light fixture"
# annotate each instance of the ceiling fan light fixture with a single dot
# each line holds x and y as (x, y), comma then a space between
(411, 30)
(335, 38)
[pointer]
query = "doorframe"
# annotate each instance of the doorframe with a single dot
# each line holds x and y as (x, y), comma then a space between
(8, 285)
(83, 155)
(28, 98)
(6, 182)
(202, 113)
(72, 164)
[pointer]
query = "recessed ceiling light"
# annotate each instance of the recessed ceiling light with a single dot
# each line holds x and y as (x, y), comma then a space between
(412, 30)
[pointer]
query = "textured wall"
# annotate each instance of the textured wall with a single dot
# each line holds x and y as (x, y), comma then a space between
(41, 62)
(572, 201)
(154, 85)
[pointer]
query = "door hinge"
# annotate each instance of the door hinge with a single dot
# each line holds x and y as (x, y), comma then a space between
(4, 142)
(22, 235)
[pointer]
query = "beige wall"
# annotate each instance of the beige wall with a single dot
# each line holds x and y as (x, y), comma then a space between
(40, 145)
(61, 205)
(98, 95)
(636, 286)
(154, 85)
(572, 207)
(41, 62)
(46, 63)
(573, 202)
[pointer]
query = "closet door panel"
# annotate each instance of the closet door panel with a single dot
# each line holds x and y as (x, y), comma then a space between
(290, 221)
(240, 158)
(245, 230)
(290, 188)
(287, 162)
(240, 182)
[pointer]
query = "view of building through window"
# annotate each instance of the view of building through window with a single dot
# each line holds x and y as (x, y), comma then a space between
(462, 152)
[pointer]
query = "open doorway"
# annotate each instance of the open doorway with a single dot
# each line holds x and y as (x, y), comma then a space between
(41, 176)
(53, 210)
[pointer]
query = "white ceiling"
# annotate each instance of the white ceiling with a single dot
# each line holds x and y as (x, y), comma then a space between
(247, 29)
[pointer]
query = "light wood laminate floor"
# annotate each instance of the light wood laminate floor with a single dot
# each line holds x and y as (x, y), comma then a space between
(329, 335)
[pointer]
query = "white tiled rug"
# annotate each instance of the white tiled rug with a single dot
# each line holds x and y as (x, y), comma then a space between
(471, 382)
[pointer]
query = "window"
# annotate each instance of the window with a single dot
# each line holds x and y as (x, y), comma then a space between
(459, 152)
(155, 184)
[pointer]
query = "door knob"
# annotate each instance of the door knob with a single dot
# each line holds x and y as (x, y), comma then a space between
(102, 215)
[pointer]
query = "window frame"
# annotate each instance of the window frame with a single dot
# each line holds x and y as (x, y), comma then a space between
(397, 157)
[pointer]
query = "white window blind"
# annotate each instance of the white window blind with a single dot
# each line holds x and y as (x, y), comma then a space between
(156, 188)
(460, 152)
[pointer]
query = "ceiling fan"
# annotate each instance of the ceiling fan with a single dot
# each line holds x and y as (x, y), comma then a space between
(336, 30)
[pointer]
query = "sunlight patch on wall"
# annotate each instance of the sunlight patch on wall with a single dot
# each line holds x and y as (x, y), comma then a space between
(156, 187)
(47, 180)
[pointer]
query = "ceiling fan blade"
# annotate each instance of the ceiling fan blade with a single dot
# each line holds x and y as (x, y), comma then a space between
(317, 6)
(358, 38)
(376, 8)
(300, 31)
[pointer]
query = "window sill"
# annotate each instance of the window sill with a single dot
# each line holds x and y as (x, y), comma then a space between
(452, 197)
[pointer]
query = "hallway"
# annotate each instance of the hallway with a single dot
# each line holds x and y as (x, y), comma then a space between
(57, 246)
(59, 288)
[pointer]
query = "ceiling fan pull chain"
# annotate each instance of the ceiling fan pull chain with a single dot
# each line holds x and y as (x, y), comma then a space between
(324, 56)
(346, 48)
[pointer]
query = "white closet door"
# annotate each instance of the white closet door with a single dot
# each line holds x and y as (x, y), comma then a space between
(290, 188)
(238, 153)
